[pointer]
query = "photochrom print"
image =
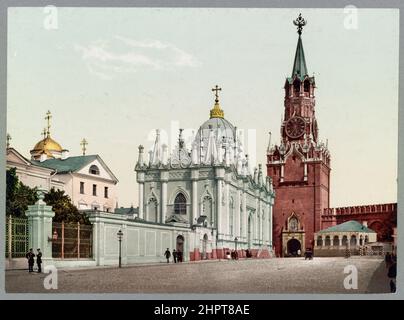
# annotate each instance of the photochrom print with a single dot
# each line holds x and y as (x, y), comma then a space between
(201, 150)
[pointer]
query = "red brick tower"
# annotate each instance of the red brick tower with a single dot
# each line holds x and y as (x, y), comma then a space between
(300, 165)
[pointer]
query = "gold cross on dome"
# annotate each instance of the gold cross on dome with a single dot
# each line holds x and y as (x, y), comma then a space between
(216, 89)
(47, 118)
(83, 144)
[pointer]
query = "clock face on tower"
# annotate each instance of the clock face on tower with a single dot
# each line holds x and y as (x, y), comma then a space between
(295, 127)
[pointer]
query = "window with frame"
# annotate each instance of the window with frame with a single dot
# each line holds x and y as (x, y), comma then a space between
(81, 187)
(105, 192)
(94, 170)
(180, 204)
(94, 190)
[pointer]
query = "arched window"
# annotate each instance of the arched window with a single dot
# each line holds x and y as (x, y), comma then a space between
(306, 86)
(319, 241)
(353, 241)
(152, 210)
(335, 241)
(327, 241)
(296, 86)
(344, 240)
(180, 204)
(94, 170)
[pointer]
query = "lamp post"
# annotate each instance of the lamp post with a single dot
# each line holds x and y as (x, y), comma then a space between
(120, 235)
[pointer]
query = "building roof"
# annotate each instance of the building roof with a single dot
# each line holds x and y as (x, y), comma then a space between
(349, 226)
(71, 164)
(127, 211)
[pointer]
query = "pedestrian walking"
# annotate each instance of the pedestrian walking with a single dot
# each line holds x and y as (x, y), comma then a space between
(179, 256)
(30, 257)
(175, 256)
(39, 260)
(392, 274)
(167, 255)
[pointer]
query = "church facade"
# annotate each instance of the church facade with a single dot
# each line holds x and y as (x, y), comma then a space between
(209, 190)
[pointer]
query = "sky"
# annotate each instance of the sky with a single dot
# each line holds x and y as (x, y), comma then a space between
(114, 75)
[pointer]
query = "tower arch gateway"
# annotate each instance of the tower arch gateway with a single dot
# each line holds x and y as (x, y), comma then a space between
(299, 164)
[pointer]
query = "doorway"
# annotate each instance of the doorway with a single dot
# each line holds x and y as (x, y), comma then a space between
(294, 247)
(180, 248)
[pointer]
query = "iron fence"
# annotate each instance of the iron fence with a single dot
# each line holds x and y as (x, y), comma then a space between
(17, 240)
(72, 241)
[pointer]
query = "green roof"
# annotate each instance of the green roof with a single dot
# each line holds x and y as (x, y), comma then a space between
(299, 65)
(71, 164)
(349, 226)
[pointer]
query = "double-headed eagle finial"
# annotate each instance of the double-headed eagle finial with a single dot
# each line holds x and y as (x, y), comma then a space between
(300, 23)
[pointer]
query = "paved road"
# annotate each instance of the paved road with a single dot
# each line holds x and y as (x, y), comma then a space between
(281, 275)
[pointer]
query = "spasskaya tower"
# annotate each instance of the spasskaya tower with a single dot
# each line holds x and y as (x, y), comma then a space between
(300, 164)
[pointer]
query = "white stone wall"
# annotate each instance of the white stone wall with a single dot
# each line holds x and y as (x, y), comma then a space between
(141, 242)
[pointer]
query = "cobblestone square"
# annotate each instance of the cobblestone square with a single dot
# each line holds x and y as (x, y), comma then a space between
(282, 275)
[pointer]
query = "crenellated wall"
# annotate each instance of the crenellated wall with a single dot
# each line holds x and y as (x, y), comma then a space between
(381, 218)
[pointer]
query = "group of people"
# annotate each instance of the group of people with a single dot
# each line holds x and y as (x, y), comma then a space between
(31, 260)
(177, 256)
(232, 255)
(391, 265)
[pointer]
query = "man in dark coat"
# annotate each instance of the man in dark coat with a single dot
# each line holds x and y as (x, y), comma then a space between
(167, 255)
(392, 274)
(30, 256)
(39, 260)
(175, 256)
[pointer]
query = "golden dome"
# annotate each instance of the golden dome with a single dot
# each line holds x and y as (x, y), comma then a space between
(47, 144)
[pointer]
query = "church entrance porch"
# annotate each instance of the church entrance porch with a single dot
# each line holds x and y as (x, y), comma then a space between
(292, 242)
(294, 247)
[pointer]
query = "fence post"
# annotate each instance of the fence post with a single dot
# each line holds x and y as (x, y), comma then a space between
(63, 239)
(10, 237)
(40, 226)
(78, 240)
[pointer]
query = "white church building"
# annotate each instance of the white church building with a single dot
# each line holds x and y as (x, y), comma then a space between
(208, 191)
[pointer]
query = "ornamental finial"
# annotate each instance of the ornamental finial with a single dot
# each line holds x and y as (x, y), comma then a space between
(47, 118)
(83, 144)
(8, 137)
(216, 112)
(300, 23)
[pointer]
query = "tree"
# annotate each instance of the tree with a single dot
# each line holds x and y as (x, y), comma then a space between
(63, 207)
(18, 195)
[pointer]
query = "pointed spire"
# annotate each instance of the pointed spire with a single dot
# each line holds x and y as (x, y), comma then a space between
(211, 150)
(8, 137)
(156, 155)
(140, 160)
(299, 65)
(269, 142)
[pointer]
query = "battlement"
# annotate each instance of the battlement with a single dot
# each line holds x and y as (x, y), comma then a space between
(373, 208)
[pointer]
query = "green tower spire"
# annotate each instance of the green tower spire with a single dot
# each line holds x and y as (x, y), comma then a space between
(299, 65)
